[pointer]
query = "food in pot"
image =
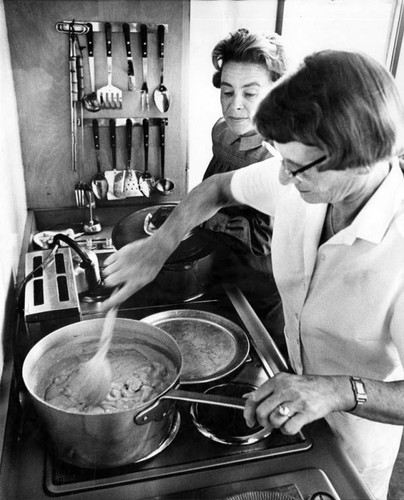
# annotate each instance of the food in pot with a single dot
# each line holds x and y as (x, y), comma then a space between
(137, 377)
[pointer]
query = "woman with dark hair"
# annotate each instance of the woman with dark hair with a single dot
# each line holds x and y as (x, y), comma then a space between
(336, 192)
(247, 65)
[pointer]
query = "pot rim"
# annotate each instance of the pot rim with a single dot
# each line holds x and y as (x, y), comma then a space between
(36, 351)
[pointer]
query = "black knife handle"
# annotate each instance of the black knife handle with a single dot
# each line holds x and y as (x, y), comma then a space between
(112, 133)
(143, 37)
(146, 142)
(160, 35)
(162, 144)
(108, 39)
(96, 134)
(129, 139)
(90, 40)
(126, 34)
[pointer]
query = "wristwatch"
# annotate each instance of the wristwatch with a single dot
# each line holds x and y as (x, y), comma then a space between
(359, 390)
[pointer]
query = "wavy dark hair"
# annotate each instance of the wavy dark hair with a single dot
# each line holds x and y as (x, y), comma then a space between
(345, 103)
(243, 46)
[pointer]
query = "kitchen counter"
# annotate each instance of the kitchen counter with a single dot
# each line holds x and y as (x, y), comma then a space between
(25, 470)
(24, 458)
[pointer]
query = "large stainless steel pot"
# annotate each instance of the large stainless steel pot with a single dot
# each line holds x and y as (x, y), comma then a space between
(108, 439)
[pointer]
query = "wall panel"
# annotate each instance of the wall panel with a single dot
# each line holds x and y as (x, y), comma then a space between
(40, 67)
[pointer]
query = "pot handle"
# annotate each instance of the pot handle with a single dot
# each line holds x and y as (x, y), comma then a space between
(156, 412)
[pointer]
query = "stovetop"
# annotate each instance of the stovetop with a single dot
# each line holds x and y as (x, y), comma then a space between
(187, 449)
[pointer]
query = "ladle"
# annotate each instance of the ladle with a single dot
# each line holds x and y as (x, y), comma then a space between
(99, 182)
(90, 101)
(161, 95)
(164, 186)
(90, 383)
(146, 180)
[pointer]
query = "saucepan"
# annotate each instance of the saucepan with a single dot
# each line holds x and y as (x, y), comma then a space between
(104, 440)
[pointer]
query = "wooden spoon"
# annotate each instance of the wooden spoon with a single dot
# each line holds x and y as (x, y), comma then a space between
(90, 383)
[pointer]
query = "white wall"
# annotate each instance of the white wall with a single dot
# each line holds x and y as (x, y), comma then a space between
(210, 22)
(13, 207)
(309, 25)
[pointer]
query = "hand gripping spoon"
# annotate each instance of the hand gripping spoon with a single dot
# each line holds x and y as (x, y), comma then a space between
(90, 383)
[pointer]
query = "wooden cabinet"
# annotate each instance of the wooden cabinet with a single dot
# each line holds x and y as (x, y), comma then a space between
(40, 62)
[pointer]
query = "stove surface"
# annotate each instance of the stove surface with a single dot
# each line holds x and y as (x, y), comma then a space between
(189, 450)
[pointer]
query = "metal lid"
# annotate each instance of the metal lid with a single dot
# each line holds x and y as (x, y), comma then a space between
(132, 228)
(211, 346)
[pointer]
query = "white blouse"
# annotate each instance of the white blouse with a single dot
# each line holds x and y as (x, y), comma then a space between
(343, 300)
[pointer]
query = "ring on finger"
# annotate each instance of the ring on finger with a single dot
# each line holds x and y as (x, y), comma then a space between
(285, 411)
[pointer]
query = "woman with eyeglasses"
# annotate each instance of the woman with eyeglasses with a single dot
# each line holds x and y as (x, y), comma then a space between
(336, 192)
(246, 67)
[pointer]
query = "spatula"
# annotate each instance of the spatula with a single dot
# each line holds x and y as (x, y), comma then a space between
(90, 383)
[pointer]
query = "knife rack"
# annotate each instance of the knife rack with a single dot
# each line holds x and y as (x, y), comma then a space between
(121, 122)
(81, 28)
(83, 119)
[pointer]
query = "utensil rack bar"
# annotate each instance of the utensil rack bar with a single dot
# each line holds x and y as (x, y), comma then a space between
(81, 28)
(121, 122)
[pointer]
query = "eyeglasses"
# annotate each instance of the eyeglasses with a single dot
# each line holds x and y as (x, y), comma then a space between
(292, 173)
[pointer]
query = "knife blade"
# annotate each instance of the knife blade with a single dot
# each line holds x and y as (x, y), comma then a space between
(131, 71)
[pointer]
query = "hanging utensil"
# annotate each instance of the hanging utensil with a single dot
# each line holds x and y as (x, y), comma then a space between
(146, 180)
(118, 175)
(73, 98)
(93, 225)
(130, 70)
(164, 186)
(90, 101)
(144, 91)
(99, 182)
(131, 182)
(79, 193)
(109, 95)
(162, 96)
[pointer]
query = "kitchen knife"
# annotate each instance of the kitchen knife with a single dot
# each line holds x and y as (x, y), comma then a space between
(144, 91)
(90, 52)
(131, 71)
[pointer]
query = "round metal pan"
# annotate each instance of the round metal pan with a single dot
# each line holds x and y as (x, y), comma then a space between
(211, 346)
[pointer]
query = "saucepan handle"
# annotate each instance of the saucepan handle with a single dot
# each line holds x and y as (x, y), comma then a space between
(157, 412)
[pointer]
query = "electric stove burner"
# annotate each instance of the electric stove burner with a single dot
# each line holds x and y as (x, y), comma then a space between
(226, 425)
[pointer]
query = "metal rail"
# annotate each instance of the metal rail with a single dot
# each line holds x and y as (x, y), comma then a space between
(267, 350)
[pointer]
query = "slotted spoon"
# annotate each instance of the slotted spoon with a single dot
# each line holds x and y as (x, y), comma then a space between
(90, 383)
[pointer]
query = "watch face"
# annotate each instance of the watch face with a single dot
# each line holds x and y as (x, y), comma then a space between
(359, 390)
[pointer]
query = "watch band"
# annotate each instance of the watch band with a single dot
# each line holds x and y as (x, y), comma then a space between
(359, 390)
